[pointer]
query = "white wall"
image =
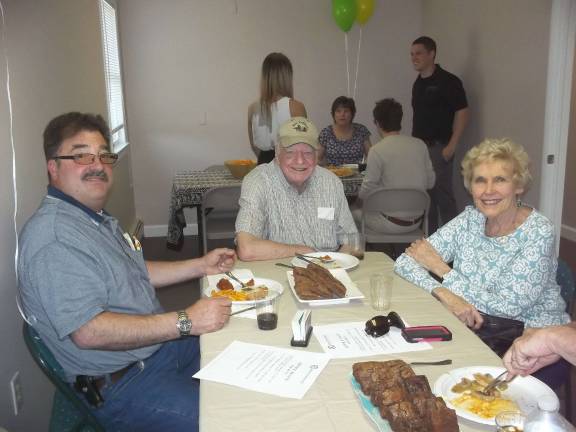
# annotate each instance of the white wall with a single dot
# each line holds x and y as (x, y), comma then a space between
(500, 50)
(185, 58)
(55, 63)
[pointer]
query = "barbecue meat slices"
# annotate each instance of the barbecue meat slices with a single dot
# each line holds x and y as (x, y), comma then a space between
(403, 398)
(316, 283)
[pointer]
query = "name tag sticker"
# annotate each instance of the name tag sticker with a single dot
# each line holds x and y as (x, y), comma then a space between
(326, 213)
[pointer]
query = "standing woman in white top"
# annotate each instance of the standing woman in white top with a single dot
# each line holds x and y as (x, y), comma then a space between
(275, 106)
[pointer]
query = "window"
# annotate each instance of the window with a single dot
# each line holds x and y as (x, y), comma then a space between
(113, 75)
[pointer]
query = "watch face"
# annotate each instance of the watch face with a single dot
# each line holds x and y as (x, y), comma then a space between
(184, 324)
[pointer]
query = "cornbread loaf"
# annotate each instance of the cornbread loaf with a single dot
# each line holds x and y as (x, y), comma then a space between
(403, 398)
(315, 283)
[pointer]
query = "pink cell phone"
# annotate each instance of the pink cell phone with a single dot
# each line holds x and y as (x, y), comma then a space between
(426, 334)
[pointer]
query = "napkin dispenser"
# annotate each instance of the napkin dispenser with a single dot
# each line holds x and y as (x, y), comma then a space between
(301, 328)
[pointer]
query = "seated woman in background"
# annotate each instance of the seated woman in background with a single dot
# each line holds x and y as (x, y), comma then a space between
(396, 161)
(344, 142)
(503, 255)
(275, 106)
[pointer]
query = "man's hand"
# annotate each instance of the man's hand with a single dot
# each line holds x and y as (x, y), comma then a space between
(425, 255)
(465, 312)
(209, 314)
(219, 261)
(530, 352)
(448, 152)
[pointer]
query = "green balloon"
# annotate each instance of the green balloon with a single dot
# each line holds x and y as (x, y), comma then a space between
(344, 12)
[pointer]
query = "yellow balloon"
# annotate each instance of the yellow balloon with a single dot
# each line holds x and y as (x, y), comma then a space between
(365, 9)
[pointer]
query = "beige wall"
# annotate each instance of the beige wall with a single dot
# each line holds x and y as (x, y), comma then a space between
(500, 50)
(55, 63)
(569, 210)
(185, 58)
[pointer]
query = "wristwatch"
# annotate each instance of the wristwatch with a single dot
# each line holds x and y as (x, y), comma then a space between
(184, 324)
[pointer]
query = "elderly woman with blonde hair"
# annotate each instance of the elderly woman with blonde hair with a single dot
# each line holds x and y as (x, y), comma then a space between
(503, 263)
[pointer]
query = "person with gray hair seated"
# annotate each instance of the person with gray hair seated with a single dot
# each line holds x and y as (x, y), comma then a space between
(503, 273)
(291, 205)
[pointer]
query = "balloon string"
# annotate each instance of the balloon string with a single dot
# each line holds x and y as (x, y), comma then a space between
(357, 63)
(347, 63)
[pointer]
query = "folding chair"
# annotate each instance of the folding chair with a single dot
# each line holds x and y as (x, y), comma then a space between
(68, 412)
(565, 278)
(219, 210)
(390, 201)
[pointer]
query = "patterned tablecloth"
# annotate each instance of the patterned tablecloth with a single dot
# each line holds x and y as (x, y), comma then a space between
(188, 188)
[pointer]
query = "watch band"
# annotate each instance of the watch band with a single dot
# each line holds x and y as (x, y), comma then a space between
(184, 324)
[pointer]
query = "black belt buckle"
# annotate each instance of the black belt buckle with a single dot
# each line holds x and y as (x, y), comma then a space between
(85, 385)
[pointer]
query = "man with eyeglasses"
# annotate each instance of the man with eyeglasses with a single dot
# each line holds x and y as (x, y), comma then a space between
(89, 293)
(291, 205)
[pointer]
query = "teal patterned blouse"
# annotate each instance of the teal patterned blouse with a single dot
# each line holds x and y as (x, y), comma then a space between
(512, 276)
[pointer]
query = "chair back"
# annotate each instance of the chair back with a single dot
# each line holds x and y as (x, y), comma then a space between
(390, 201)
(219, 210)
(68, 412)
(222, 198)
(565, 278)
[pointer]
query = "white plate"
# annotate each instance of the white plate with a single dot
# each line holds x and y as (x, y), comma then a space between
(352, 291)
(274, 289)
(341, 260)
(525, 391)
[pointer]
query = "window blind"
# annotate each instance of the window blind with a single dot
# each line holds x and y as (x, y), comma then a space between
(112, 74)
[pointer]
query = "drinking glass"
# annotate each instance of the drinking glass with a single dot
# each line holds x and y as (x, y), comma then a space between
(510, 421)
(381, 291)
(353, 244)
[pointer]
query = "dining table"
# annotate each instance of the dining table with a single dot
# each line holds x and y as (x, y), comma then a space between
(189, 187)
(330, 404)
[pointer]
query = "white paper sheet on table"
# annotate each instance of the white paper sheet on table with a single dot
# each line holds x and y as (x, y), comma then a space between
(266, 369)
(241, 274)
(348, 340)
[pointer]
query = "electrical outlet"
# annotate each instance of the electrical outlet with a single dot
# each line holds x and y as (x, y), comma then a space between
(16, 389)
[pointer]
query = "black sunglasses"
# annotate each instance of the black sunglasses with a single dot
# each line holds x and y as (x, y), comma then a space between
(380, 324)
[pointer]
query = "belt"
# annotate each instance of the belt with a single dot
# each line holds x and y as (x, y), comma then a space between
(432, 142)
(403, 222)
(114, 376)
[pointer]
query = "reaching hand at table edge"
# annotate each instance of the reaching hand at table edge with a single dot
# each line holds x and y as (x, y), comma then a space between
(537, 348)
(218, 260)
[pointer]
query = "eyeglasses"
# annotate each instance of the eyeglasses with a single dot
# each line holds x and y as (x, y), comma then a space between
(89, 158)
(380, 324)
(307, 155)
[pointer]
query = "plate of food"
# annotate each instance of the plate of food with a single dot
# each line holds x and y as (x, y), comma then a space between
(459, 389)
(257, 289)
(342, 171)
(329, 260)
(314, 285)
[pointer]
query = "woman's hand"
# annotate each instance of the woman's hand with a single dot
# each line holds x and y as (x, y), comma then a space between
(425, 255)
(465, 312)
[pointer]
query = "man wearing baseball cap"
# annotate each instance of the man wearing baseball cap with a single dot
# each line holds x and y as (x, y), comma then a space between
(291, 205)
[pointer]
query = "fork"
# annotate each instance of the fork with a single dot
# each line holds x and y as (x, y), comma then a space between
(231, 276)
(432, 363)
(304, 258)
(496, 382)
(321, 259)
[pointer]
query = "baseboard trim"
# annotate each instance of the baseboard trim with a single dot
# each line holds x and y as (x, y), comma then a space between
(568, 233)
(162, 230)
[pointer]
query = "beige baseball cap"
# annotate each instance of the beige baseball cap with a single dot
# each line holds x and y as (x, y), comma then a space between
(298, 130)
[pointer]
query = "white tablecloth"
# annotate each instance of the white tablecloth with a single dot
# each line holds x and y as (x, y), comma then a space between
(330, 405)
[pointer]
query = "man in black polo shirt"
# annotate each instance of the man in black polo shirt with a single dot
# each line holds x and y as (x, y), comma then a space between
(440, 116)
